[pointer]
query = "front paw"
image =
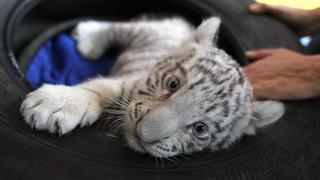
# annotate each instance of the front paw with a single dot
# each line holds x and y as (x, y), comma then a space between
(90, 39)
(60, 109)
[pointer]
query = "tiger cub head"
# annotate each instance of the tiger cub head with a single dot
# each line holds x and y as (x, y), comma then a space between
(196, 98)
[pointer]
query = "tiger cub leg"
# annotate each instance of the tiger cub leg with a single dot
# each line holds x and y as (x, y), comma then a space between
(95, 37)
(59, 108)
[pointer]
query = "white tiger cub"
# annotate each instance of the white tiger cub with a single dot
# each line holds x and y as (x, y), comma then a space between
(173, 89)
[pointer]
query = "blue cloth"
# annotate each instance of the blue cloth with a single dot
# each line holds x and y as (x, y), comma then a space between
(58, 62)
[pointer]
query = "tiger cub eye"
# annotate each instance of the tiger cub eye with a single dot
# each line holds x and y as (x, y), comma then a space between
(199, 129)
(172, 84)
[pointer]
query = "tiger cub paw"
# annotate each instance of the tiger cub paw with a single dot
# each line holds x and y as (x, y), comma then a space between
(90, 38)
(59, 109)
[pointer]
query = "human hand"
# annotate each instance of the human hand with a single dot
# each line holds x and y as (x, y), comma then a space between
(281, 74)
(304, 22)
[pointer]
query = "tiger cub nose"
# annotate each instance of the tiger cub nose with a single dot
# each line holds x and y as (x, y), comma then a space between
(145, 135)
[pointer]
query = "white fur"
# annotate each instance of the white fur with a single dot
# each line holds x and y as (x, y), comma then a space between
(159, 125)
(91, 42)
(60, 108)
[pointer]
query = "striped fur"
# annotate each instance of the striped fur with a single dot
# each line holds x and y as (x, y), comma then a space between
(213, 90)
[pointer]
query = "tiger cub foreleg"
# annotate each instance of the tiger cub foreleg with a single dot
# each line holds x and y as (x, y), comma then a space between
(59, 108)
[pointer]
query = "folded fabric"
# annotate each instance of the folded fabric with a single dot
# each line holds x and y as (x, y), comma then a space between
(58, 62)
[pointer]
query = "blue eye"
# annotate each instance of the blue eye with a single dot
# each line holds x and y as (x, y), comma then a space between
(199, 129)
(172, 84)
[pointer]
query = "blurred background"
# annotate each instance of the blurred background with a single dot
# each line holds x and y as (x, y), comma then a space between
(301, 4)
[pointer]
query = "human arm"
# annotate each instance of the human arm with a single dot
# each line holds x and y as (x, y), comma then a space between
(281, 74)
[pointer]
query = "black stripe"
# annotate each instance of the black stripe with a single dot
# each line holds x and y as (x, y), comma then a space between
(220, 91)
(151, 90)
(163, 65)
(238, 102)
(209, 92)
(193, 85)
(183, 71)
(203, 138)
(135, 111)
(213, 77)
(226, 70)
(164, 75)
(140, 118)
(175, 68)
(218, 126)
(148, 110)
(211, 108)
(174, 148)
(223, 95)
(190, 145)
(232, 86)
(226, 108)
(148, 82)
(211, 61)
(145, 93)
(157, 82)
(222, 80)
(205, 88)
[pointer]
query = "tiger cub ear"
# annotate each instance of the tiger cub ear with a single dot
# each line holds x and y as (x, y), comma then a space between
(263, 114)
(207, 33)
(266, 112)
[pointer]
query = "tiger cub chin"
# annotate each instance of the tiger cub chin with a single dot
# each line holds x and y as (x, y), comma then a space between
(172, 89)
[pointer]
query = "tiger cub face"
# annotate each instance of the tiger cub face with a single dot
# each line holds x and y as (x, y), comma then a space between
(196, 98)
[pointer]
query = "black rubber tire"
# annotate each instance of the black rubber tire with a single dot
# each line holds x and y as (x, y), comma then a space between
(289, 149)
